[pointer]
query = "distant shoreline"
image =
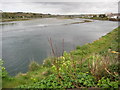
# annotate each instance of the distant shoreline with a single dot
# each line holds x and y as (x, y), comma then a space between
(10, 20)
(20, 16)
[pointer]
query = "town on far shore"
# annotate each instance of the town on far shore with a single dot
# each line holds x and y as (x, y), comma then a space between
(11, 16)
(106, 16)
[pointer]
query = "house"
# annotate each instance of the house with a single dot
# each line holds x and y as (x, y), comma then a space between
(113, 15)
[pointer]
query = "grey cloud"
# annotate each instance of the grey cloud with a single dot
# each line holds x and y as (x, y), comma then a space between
(59, 0)
(61, 7)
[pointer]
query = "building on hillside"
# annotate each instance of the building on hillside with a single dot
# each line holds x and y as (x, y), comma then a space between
(113, 15)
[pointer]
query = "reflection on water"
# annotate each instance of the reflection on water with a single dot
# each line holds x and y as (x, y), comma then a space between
(28, 40)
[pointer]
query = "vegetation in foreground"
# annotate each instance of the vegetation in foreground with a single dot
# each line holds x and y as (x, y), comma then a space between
(92, 65)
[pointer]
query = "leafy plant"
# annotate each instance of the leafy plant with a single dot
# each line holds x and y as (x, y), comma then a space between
(82, 80)
(106, 83)
(3, 72)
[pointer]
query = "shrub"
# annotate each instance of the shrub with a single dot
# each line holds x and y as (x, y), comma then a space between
(115, 68)
(3, 72)
(33, 66)
(48, 62)
(98, 65)
(78, 47)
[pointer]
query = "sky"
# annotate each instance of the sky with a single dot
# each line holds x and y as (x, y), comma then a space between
(64, 7)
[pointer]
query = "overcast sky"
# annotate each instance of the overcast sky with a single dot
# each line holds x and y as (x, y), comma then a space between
(60, 7)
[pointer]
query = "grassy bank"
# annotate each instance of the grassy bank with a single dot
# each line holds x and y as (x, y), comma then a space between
(92, 65)
(96, 18)
(101, 18)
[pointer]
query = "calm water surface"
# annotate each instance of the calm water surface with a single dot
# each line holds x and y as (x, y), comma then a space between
(25, 41)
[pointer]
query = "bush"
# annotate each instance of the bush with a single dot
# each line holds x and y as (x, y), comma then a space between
(48, 62)
(98, 65)
(115, 68)
(3, 72)
(78, 47)
(33, 66)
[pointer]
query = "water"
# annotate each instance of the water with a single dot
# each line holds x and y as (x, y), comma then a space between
(24, 41)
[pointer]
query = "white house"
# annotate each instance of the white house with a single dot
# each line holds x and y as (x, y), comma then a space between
(114, 17)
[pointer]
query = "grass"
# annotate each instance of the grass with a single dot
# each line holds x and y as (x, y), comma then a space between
(109, 41)
(24, 78)
(92, 65)
(96, 18)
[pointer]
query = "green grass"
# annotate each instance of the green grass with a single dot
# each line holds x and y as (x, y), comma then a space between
(91, 65)
(109, 41)
(25, 78)
(96, 18)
